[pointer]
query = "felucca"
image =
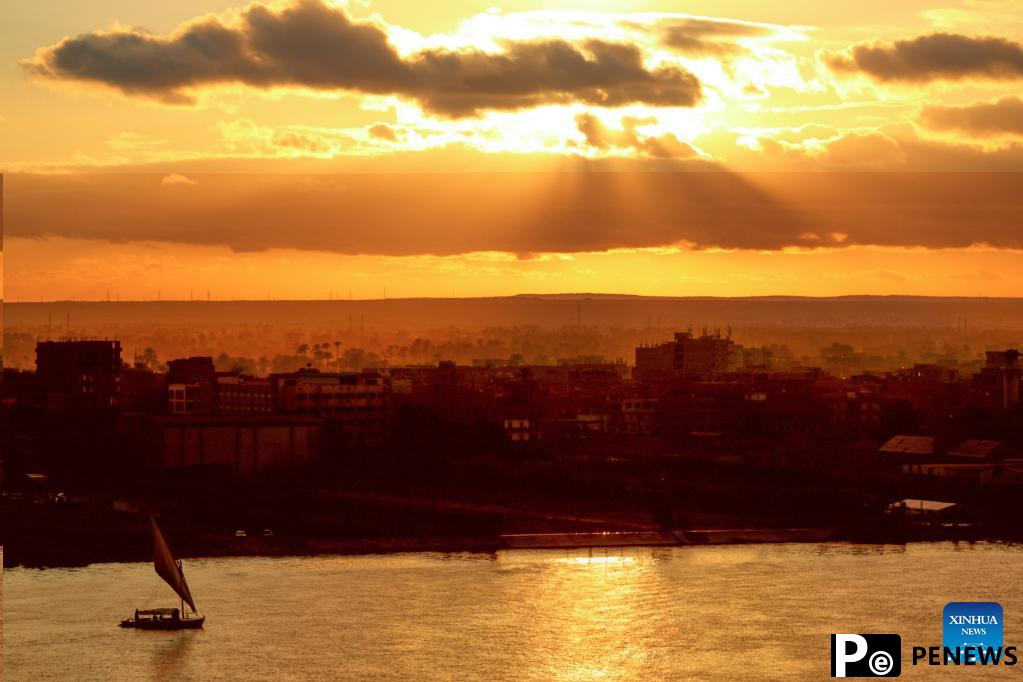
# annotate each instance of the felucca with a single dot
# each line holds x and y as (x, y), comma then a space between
(168, 568)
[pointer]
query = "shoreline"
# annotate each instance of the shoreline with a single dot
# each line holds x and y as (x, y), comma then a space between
(52, 558)
(259, 547)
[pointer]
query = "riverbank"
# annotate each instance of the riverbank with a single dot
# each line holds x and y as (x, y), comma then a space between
(51, 557)
(391, 508)
(54, 557)
(70, 537)
(98, 532)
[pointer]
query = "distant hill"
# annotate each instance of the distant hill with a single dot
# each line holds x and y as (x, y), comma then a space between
(545, 310)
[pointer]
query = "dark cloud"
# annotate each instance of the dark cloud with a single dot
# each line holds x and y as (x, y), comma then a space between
(318, 46)
(523, 213)
(981, 119)
(710, 37)
(938, 56)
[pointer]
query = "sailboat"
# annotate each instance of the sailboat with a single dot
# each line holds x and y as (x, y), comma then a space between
(168, 568)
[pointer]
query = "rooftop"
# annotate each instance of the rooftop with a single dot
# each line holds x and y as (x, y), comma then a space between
(909, 445)
(924, 505)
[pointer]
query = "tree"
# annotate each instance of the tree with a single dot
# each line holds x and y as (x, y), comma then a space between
(353, 358)
(321, 356)
(241, 365)
(149, 358)
(287, 363)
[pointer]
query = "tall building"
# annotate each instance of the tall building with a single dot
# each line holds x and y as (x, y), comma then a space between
(80, 373)
(688, 356)
(999, 378)
(240, 394)
(355, 404)
(191, 385)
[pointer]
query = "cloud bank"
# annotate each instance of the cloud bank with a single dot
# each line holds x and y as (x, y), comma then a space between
(445, 214)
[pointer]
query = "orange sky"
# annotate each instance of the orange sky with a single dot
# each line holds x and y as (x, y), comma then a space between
(307, 149)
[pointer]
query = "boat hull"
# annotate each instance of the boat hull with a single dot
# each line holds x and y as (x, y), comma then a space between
(165, 624)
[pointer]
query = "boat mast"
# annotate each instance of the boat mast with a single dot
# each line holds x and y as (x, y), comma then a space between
(181, 572)
(177, 563)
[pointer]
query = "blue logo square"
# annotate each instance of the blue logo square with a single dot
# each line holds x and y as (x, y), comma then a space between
(975, 624)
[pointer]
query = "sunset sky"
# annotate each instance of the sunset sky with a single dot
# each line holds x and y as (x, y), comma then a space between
(310, 149)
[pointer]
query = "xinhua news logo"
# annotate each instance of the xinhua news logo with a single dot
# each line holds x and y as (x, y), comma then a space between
(866, 655)
(973, 627)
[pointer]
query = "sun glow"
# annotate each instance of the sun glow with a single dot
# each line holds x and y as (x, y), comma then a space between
(601, 102)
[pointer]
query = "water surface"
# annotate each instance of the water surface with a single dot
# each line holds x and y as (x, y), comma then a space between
(720, 613)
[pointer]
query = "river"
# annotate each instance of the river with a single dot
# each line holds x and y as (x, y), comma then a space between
(715, 612)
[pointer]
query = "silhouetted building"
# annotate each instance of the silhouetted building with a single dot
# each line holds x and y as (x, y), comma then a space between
(979, 450)
(354, 403)
(142, 390)
(518, 430)
(19, 386)
(191, 370)
(999, 379)
(185, 399)
(79, 373)
(239, 394)
(908, 449)
(246, 444)
(191, 385)
(688, 356)
(638, 415)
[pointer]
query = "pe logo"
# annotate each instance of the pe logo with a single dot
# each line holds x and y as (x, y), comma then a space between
(866, 655)
(973, 626)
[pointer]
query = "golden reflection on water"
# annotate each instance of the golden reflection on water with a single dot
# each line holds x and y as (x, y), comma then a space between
(717, 613)
(597, 560)
(590, 623)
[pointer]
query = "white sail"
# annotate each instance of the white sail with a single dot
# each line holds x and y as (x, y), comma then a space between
(167, 567)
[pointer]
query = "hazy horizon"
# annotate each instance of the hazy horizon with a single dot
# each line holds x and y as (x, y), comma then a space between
(896, 330)
(584, 295)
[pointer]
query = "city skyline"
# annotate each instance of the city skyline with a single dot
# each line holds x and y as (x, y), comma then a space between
(472, 151)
